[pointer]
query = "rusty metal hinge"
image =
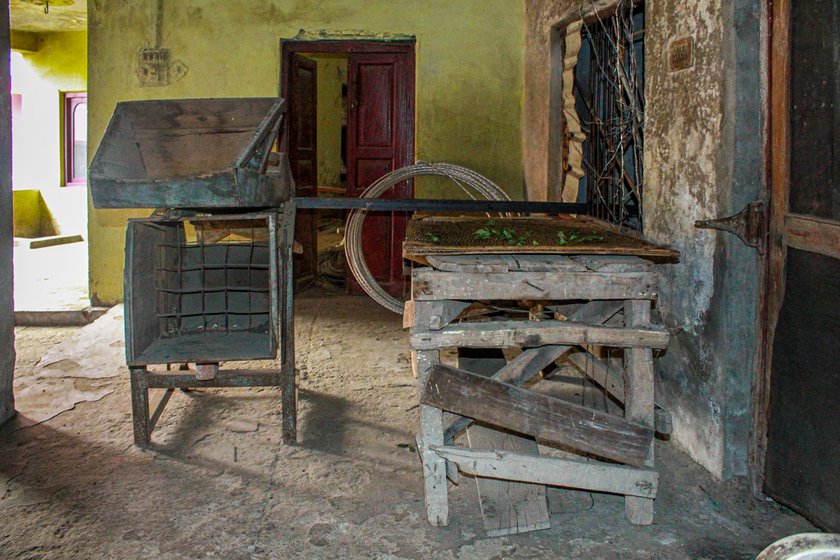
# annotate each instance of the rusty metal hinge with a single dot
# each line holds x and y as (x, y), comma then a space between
(750, 225)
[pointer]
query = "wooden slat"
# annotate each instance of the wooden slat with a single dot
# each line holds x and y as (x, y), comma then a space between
(817, 235)
(431, 433)
(507, 507)
(569, 473)
(638, 401)
(613, 263)
(469, 263)
(527, 412)
(544, 263)
(509, 334)
(430, 284)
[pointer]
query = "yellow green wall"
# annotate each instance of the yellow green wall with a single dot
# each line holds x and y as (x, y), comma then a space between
(32, 218)
(332, 73)
(59, 65)
(469, 77)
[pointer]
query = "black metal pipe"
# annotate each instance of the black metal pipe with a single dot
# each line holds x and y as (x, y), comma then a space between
(433, 205)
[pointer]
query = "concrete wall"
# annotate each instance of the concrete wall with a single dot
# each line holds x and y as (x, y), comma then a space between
(703, 159)
(7, 321)
(59, 65)
(469, 77)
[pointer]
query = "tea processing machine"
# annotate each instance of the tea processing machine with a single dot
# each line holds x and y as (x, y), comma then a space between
(209, 275)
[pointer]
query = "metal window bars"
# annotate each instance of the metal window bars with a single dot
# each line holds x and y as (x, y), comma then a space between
(609, 91)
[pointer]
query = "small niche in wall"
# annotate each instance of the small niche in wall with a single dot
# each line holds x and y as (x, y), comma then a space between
(681, 54)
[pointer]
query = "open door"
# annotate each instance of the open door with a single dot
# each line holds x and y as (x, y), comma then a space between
(380, 126)
(802, 415)
(303, 157)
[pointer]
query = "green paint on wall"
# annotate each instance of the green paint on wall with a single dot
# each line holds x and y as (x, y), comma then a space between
(32, 218)
(469, 78)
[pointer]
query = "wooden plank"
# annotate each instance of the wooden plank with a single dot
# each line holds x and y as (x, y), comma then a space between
(638, 401)
(431, 433)
(809, 233)
(509, 334)
(543, 263)
(612, 380)
(469, 263)
(534, 414)
(507, 507)
(429, 284)
(569, 473)
(613, 263)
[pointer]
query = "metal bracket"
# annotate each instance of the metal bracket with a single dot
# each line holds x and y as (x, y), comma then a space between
(750, 225)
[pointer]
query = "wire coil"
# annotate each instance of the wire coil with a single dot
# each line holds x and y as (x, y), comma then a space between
(466, 179)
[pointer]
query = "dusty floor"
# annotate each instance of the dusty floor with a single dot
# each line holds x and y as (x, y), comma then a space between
(51, 278)
(218, 484)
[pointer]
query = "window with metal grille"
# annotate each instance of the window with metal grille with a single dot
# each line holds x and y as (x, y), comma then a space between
(603, 141)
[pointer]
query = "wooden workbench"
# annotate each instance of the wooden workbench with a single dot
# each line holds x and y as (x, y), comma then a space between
(521, 438)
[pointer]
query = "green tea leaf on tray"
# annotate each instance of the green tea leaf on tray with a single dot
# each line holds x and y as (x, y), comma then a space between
(483, 234)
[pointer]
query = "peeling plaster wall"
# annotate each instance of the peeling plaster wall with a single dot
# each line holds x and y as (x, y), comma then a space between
(469, 61)
(7, 320)
(703, 159)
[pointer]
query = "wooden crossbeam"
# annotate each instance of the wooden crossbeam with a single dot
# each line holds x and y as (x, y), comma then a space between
(569, 473)
(429, 284)
(509, 334)
(534, 414)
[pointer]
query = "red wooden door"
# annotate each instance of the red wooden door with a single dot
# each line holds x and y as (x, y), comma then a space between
(302, 144)
(380, 126)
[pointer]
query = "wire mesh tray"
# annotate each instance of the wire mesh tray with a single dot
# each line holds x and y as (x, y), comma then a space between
(565, 235)
(201, 289)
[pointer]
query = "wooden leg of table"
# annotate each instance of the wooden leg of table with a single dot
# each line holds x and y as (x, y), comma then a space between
(431, 433)
(639, 404)
(140, 407)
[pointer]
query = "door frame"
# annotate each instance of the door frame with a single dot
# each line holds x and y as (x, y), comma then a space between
(406, 105)
(771, 291)
(288, 47)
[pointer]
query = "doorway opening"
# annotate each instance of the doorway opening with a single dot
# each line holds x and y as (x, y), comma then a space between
(49, 139)
(351, 121)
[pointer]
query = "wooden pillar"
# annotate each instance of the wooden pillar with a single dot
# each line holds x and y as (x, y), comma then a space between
(431, 433)
(639, 394)
(7, 320)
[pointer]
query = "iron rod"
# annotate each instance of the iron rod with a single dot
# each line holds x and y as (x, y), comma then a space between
(432, 205)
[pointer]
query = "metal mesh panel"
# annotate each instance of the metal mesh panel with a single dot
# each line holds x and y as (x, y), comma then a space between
(221, 286)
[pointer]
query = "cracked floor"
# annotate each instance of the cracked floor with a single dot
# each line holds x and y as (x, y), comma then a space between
(217, 483)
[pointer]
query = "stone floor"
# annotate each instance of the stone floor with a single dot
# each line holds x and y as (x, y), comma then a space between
(217, 483)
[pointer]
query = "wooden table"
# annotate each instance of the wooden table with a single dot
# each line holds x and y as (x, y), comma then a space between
(595, 301)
